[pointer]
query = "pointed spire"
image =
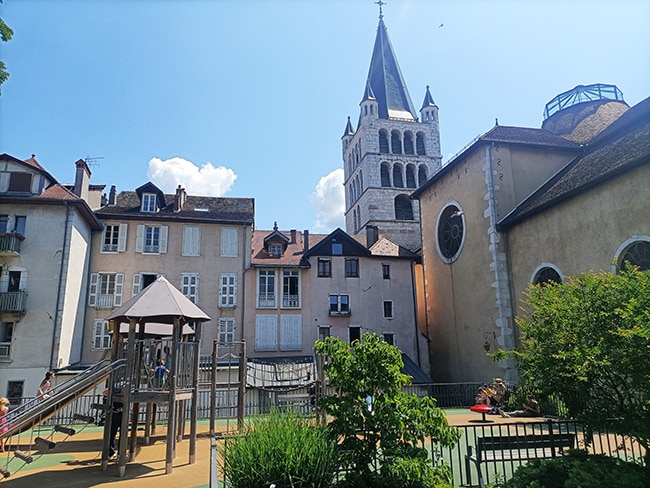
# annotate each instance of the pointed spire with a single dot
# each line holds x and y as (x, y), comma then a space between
(428, 100)
(386, 81)
(368, 94)
(349, 131)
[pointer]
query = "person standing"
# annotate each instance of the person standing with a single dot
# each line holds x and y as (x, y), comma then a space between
(4, 409)
(45, 388)
(116, 419)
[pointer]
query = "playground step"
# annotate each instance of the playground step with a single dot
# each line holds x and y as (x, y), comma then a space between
(65, 430)
(23, 456)
(45, 442)
(89, 419)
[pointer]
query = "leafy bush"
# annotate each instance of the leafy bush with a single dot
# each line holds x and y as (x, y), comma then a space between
(283, 449)
(578, 469)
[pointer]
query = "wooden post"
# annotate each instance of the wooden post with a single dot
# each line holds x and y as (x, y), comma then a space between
(126, 392)
(194, 411)
(108, 411)
(171, 415)
(241, 388)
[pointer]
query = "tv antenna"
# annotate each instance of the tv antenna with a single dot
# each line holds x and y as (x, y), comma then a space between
(93, 162)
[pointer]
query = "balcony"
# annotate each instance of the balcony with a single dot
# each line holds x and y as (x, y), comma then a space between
(266, 300)
(10, 244)
(291, 301)
(13, 302)
(104, 301)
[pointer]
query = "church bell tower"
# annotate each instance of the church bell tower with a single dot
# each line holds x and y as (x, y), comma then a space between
(389, 153)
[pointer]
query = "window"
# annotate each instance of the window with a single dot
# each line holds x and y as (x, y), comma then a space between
(339, 304)
(227, 290)
(191, 241)
(20, 182)
(13, 224)
(151, 239)
(323, 333)
(388, 309)
(290, 289)
(396, 142)
(148, 202)
(265, 288)
(637, 254)
(403, 208)
(351, 268)
(291, 332)
(226, 332)
(422, 175)
(408, 143)
(101, 335)
(397, 176)
(324, 268)
(385, 175)
(337, 248)
(389, 338)
(419, 144)
(410, 176)
(451, 233)
(383, 142)
(6, 334)
(229, 241)
(15, 391)
(547, 276)
(190, 286)
(354, 331)
(114, 238)
(266, 333)
(141, 281)
(385, 271)
(105, 290)
(275, 249)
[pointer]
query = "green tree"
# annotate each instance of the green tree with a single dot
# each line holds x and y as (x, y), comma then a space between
(5, 35)
(587, 340)
(379, 428)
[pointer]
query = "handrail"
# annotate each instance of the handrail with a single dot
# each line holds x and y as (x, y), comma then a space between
(39, 409)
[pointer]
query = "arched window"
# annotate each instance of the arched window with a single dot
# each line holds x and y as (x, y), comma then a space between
(419, 144)
(354, 220)
(408, 143)
(422, 175)
(637, 253)
(385, 175)
(410, 176)
(403, 208)
(547, 275)
(358, 219)
(398, 181)
(396, 142)
(383, 141)
(361, 181)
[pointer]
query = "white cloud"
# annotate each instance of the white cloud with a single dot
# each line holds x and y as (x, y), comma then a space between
(206, 180)
(328, 201)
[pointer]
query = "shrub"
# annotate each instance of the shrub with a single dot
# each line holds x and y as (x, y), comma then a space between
(578, 469)
(282, 449)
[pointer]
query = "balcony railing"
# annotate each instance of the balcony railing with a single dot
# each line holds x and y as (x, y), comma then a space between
(291, 301)
(10, 244)
(13, 302)
(104, 301)
(266, 300)
(5, 350)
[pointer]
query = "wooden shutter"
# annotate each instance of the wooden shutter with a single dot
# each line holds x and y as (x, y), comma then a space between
(163, 239)
(266, 333)
(119, 289)
(291, 332)
(92, 292)
(136, 284)
(229, 242)
(121, 238)
(139, 238)
(191, 241)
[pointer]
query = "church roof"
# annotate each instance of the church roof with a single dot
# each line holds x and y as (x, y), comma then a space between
(385, 81)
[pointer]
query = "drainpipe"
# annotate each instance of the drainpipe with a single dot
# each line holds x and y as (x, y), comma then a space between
(65, 252)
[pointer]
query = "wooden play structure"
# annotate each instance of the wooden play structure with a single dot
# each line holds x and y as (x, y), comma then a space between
(138, 326)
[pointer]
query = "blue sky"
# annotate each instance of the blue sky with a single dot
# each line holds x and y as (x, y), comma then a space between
(250, 98)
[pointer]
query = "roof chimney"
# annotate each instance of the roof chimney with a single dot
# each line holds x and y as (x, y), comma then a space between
(81, 180)
(179, 201)
(112, 197)
(293, 236)
(305, 238)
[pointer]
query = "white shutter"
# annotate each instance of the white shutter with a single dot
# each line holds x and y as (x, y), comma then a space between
(191, 241)
(291, 332)
(121, 238)
(119, 289)
(229, 242)
(97, 334)
(163, 239)
(23, 281)
(136, 284)
(266, 333)
(92, 293)
(139, 238)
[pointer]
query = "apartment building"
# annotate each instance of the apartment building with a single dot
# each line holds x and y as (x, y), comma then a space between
(45, 240)
(201, 245)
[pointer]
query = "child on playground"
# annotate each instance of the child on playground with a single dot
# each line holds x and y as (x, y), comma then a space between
(45, 388)
(4, 409)
(159, 373)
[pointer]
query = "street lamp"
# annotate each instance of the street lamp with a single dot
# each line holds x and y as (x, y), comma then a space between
(486, 336)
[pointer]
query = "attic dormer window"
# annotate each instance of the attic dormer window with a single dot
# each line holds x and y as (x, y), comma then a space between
(275, 249)
(148, 202)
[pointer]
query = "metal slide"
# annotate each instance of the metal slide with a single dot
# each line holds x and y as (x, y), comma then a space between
(38, 410)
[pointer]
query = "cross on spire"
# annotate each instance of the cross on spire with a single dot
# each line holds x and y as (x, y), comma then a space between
(381, 4)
